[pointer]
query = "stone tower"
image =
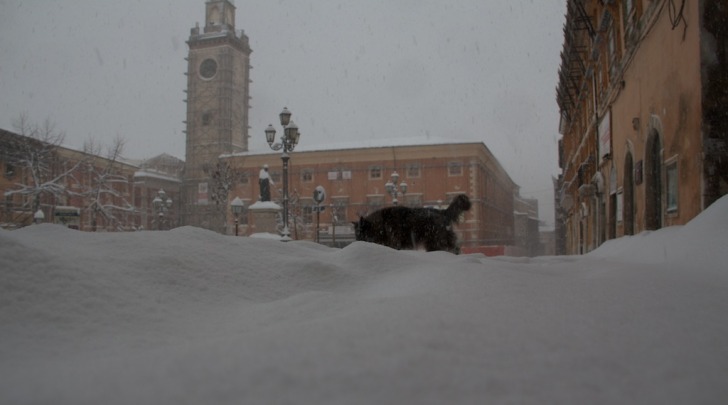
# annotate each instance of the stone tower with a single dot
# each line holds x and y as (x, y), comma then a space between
(217, 109)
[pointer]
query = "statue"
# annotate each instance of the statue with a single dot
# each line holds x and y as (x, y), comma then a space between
(264, 181)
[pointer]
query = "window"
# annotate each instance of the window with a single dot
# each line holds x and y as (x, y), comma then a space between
(672, 186)
(620, 202)
(338, 210)
(244, 178)
(455, 169)
(413, 170)
(413, 200)
(307, 176)
(206, 119)
(9, 170)
(307, 213)
(612, 55)
(375, 202)
(375, 173)
(339, 174)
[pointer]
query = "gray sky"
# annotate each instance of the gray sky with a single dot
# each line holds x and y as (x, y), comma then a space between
(480, 70)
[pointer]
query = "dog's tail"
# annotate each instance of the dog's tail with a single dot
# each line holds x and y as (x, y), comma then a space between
(459, 204)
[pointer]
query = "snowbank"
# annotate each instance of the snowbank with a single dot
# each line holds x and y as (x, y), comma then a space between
(191, 316)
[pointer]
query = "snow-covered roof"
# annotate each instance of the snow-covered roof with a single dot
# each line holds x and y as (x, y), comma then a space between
(156, 175)
(365, 144)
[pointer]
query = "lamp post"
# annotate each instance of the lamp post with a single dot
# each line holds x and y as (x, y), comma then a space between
(39, 216)
(161, 204)
(319, 195)
(237, 208)
(393, 187)
(289, 140)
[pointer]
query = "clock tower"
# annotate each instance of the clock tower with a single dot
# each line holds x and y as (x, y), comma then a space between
(218, 77)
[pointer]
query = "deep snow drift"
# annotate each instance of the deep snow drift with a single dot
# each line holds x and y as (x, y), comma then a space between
(190, 316)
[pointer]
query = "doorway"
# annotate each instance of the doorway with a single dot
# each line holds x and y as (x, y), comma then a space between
(653, 182)
(628, 186)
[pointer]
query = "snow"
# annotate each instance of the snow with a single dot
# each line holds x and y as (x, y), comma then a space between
(364, 143)
(156, 175)
(264, 205)
(266, 235)
(191, 316)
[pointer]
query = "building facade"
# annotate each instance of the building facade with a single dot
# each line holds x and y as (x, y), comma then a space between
(81, 190)
(642, 94)
(526, 225)
(93, 193)
(354, 181)
(218, 76)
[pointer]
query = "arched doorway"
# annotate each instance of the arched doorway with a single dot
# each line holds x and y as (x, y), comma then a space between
(628, 188)
(653, 181)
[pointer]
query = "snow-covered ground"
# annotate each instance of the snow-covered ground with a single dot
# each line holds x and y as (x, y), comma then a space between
(192, 317)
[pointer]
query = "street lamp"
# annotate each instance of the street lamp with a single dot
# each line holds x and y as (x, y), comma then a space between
(161, 204)
(237, 208)
(289, 140)
(393, 187)
(39, 216)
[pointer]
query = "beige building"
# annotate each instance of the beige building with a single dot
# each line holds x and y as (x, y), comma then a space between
(643, 91)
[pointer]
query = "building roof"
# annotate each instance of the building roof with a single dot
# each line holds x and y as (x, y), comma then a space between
(379, 143)
(366, 144)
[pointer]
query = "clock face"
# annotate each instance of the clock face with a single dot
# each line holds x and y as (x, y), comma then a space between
(208, 68)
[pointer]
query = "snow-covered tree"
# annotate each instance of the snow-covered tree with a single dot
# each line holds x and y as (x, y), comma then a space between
(104, 191)
(223, 178)
(34, 155)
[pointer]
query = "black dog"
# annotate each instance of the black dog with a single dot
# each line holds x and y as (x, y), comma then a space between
(401, 227)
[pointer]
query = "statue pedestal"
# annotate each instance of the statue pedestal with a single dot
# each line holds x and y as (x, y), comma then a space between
(264, 217)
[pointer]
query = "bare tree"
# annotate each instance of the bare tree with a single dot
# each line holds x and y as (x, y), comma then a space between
(296, 217)
(35, 155)
(103, 195)
(223, 178)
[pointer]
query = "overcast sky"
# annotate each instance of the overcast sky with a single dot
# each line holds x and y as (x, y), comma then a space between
(481, 70)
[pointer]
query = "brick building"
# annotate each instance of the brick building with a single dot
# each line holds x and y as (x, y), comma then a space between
(354, 179)
(81, 190)
(642, 95)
